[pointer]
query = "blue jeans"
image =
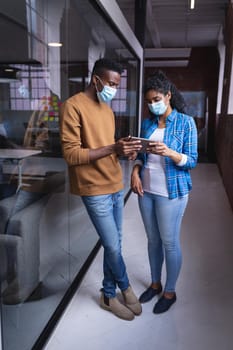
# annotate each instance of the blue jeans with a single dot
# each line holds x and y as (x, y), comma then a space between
(106, 213)
(162, 219)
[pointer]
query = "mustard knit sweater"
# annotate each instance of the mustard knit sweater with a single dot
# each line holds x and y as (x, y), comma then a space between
(86, 124)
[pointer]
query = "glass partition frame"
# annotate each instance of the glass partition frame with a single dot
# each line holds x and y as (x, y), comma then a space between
(44, 255)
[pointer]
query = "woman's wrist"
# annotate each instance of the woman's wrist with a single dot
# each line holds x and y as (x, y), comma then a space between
(175, 156)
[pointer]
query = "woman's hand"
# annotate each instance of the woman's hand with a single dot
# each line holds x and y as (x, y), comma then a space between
(161, 149)
(136, 184)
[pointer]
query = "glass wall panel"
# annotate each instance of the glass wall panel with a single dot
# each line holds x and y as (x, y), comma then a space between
(48, 48)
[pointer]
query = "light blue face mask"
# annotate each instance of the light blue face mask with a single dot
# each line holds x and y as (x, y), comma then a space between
(107, 93)
(157, 108)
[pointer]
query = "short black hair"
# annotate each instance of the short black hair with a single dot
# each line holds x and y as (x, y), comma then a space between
(106, 64)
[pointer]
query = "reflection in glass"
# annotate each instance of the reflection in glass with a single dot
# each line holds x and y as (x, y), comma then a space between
(45, 233)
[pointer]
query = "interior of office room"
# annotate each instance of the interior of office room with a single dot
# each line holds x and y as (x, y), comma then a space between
(49, 238)
(224, 132)
(46, 237)
(209, 68)
(199, 84)
(210, 71)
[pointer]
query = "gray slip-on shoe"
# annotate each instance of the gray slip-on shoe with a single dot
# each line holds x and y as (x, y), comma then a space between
(131, 301)
(116, 308)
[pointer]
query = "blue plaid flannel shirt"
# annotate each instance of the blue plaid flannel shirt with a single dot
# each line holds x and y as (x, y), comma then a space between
(181, 136)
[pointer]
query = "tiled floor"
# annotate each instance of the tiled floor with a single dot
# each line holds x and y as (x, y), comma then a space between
(202, 317)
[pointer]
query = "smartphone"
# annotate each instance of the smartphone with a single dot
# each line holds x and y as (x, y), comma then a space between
(144, 143)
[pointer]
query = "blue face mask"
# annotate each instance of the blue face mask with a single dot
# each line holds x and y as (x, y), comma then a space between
(157, 108)
(107, 93)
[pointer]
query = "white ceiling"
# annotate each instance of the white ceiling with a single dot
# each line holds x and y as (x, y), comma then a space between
(172, 24)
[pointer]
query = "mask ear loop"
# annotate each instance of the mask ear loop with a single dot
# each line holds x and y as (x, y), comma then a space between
(100, 80)
(96, 82)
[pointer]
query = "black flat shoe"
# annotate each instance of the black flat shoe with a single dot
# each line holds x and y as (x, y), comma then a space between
(163, 304)
(149, 294)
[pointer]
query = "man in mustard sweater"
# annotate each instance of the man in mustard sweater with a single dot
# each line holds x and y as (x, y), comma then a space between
(87, 129)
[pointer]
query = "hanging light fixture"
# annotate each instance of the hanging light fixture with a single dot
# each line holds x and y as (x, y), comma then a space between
(9, 74)
(55, 44)
(192, 4)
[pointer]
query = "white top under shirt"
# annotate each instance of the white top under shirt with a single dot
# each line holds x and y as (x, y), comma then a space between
(154, 179)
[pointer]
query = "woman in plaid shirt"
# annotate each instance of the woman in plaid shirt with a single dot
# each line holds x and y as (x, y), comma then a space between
(162, 181)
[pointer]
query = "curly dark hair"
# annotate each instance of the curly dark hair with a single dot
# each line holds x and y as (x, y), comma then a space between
(106, 64)
(159, 82)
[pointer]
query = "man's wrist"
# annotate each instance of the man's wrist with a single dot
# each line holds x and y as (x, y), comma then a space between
(136, 169)
(112, 148)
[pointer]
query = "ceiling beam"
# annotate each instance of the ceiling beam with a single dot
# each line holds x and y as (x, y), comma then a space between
(152, 25)
(167, 53)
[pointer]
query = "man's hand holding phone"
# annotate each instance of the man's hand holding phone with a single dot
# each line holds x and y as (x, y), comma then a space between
(128, 147)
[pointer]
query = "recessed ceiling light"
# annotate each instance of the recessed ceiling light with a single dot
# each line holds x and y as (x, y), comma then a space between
(54, 44)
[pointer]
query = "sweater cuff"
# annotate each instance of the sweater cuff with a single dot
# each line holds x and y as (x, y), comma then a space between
(138, 162)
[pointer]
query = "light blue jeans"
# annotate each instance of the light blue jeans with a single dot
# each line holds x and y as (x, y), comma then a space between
(106, 213)
(162, 219)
